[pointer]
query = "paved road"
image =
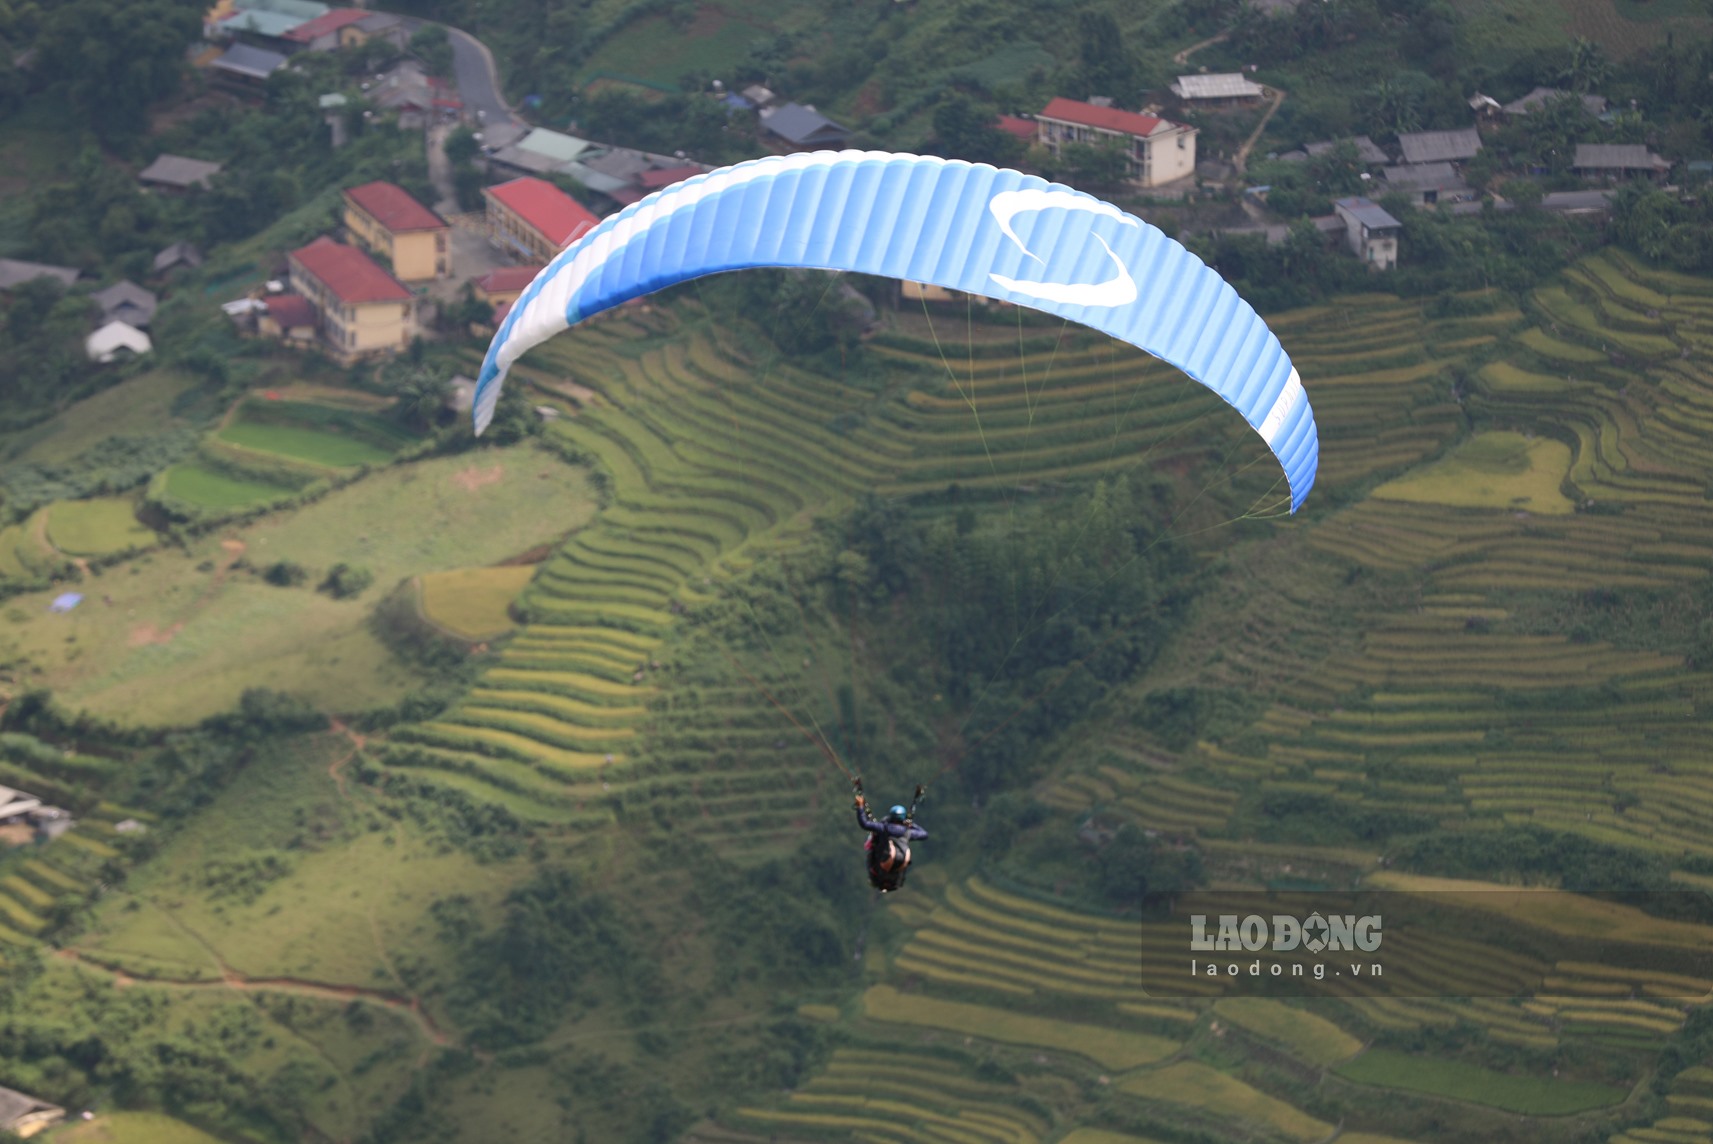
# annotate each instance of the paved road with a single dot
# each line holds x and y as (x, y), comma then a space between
(478, 79)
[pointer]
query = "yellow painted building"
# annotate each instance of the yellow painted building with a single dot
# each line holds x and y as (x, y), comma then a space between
(388, 222)
(361, 308)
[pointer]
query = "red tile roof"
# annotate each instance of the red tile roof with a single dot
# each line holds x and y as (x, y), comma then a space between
(325, 23)
(507, 279)
(665, 177)
(500, 312)
(291, 311)
(1024, 129)
(1107, 118)
(558, 216)
(393, 208)
(351, 275)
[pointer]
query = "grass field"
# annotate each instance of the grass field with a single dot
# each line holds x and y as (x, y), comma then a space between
(184, 633)
(97, 527)
(474, 602)
(140, 407)
(651, 50)
(313, 433)
(1491, 470)
(129, 1128)
(1460, 1080)
(205, 488)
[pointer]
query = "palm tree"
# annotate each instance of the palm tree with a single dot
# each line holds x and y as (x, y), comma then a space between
(421, 396)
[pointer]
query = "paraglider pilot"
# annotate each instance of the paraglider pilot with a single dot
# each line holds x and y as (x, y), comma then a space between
(888, 844)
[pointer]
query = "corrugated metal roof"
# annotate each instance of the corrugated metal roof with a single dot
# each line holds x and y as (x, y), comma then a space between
(1423, 177)
(248, 61)
(1440, 146)
(178, 171)
(1106, 118)
(556, 146)
(801, 125)
(1370, 214)
(1230, 85)
(15, 272)
(1366, 149)
(1617, 157)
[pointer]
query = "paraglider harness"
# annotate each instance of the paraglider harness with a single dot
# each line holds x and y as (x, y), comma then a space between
(888, 855)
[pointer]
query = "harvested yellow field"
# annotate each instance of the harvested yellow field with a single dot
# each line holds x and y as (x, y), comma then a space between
(1553, 910)
(1111, 1048)
(1195, 1085)
(473, 602)
(1491, 470)
(1307, 1036)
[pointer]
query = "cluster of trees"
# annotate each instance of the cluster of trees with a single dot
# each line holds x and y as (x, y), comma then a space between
(1028, 620)
(1662, 227)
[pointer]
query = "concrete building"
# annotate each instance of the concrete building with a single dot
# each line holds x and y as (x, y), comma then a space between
(534, 219)
(329, 32)
(1157, 150)
(1370, 231)
(383, 218)
(361, 308)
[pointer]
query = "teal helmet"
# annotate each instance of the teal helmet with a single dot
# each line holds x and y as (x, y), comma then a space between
(896, 814)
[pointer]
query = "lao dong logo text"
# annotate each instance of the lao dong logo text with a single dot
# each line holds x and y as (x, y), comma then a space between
(1285, 934)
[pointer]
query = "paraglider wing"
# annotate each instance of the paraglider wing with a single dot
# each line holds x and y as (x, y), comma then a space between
(971, 227)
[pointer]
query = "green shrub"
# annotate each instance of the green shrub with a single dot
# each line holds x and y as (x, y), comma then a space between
(346, 580)
(285, 574)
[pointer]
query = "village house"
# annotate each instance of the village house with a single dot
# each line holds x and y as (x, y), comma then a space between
(262, 22)
(384, 26)
(1539, 97)
(1158, 151)
(1428, 183)
(361, 308)
(1611, 161)
(1371, 232)
(385, 219)
(114, 341)
(802, 128)
(24, 1116)
(540, 152)
(126, 302)
(179, 254)
(503, 286)
(177, 173)
(15, 272)
(1440, 146)
(1367, 151)
(244, 68)
(338, 28)
(1229, 90)
(288, 317)
(533, 219)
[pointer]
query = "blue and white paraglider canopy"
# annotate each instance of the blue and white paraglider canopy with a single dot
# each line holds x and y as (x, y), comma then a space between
(971, 227)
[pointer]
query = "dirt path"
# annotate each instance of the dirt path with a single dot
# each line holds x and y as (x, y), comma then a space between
(231, 979)
(1183, 57)
(1240, 161)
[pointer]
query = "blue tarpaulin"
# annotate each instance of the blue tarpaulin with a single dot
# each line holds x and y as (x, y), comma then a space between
(66, 602)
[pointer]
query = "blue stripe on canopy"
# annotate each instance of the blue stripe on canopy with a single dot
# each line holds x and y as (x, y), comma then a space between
(970, 227)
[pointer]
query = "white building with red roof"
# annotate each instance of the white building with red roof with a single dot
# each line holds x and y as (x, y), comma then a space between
(385, 219)
(1158, 150)
(362, 309)
(534, 219)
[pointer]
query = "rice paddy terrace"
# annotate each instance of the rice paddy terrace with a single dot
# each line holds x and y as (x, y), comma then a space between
(1443, 689)
(713, 460)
